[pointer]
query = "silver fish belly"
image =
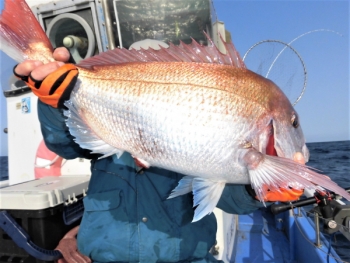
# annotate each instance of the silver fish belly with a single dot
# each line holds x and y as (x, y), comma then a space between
(167, 127)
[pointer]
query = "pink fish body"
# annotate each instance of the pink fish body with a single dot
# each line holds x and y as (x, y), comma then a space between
(189, 109)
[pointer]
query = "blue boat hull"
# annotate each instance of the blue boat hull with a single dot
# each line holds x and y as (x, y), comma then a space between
(263, 237)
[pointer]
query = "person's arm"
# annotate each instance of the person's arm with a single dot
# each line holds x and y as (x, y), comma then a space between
(241, 199)
(56, 134)
(41, 78)
(57, 137)
(235, 199)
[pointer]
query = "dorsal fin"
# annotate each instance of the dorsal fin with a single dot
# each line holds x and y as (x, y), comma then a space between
(193, 52)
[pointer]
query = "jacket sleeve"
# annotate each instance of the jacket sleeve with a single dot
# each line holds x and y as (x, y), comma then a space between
(56, 134)
(236, 200)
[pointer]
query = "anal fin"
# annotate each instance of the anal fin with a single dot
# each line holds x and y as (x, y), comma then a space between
(184, 187)
(206, 194)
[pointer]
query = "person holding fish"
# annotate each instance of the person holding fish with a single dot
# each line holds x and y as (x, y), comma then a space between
(171, 134)
(127, 216)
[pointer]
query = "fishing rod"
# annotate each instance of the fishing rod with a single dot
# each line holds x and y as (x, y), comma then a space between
(318, 197)
(336, 216)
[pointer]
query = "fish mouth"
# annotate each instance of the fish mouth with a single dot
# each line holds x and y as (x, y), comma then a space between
(270, 147)
(300, 157)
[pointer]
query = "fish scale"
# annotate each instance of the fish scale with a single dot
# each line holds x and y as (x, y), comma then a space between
(202, 119)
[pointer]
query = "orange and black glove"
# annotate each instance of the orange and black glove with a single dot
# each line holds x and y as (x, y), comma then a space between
(280, 195)
(56, 88)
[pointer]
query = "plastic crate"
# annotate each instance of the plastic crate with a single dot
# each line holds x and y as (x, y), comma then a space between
(32, 234)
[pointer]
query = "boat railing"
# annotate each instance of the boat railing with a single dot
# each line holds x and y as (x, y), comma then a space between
(334, 213)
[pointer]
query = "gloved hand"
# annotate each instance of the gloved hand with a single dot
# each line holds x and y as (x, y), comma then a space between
(69, 250)
(281, 195)
(52, 82)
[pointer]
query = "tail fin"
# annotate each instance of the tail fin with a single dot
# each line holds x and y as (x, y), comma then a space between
(21, 36)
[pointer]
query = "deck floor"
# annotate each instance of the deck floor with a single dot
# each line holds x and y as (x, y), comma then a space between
(259, 240)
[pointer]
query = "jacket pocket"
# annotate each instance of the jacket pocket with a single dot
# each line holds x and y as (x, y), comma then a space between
(102, 201)
(104, 233)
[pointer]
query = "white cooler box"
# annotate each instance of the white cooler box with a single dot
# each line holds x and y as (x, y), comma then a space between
(35, 215)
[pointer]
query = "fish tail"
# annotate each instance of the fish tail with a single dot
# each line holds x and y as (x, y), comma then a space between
(274, 172)
(21, 36)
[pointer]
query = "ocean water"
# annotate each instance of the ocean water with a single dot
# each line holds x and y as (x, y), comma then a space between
(331, 158)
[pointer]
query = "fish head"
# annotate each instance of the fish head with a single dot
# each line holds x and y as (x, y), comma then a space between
(287, 138)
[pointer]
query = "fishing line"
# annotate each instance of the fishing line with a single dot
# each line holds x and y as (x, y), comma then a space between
(309, 241)
(288, 45)
(331, 237)
(324, 219)
(346, 229)
(313, 244)
(309, 32)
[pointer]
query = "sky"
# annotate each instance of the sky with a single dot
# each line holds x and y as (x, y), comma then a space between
(324, 108)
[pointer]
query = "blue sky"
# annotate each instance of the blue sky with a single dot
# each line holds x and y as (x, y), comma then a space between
(324, 109)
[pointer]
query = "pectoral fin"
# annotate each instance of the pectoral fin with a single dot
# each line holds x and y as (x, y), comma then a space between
(84, 136)
(274, 172)
(206, 194)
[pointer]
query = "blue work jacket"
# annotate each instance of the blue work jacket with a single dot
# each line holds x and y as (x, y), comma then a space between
(128, 217)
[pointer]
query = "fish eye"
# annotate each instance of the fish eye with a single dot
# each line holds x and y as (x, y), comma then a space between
(294, 121)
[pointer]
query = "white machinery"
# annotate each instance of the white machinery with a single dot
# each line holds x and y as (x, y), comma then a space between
(91, 26)
(74, 24)
(28, 156)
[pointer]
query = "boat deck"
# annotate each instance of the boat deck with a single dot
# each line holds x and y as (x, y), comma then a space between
(263, 237)
(257, 235)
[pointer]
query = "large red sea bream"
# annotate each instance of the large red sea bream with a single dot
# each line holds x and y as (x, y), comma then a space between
(187, 108)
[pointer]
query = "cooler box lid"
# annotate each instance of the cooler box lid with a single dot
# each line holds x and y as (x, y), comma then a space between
(43, 193)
